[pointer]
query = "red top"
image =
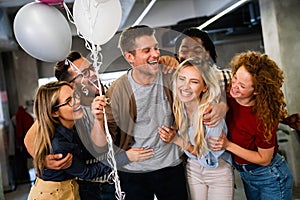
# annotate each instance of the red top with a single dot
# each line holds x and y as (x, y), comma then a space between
(244, 129)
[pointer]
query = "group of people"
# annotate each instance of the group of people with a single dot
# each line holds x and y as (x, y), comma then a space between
(155, 116)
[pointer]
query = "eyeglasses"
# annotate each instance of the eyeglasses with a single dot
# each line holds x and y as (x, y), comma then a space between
(86, 72)
(71, 101)
(73, 79)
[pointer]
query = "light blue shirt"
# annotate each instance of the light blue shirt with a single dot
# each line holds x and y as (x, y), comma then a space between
(211, 158)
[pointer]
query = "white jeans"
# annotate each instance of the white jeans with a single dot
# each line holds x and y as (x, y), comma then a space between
(209, 183)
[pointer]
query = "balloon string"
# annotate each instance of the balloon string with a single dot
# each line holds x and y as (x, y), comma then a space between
(114, 175)
(71, 20)
(91, 19)
(95, 52)
(97, 64)
(69, 14)
(95, 56)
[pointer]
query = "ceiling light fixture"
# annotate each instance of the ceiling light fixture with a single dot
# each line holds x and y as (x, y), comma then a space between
(224, 12)
(144, 13)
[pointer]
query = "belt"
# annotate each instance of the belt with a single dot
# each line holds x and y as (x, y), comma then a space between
(245, 167)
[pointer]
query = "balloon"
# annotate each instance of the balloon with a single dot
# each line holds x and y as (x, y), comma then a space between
(43, 32)
(97, 20)
(51, 1)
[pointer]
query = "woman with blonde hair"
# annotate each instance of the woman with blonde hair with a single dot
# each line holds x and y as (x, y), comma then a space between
(256, 106)
(209, 173)
(57, 107)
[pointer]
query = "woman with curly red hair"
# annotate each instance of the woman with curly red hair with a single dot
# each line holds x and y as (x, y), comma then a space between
(256, 106)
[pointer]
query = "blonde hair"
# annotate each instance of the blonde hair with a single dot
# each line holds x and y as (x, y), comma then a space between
(212, 95)
(45, 98)
(269, 104)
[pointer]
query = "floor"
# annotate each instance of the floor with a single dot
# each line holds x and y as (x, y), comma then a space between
(21, 191)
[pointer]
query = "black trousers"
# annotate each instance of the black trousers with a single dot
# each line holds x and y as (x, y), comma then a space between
(166, 184)
(96, 191)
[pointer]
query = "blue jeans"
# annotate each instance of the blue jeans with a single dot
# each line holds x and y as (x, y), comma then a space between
(96, 191)
(274, 181)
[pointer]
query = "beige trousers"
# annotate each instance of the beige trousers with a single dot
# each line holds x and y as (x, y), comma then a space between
(48, 190)
(209, 183)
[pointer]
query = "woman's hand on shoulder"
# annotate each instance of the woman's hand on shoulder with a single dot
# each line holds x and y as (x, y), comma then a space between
(214, 114)
(169, 64)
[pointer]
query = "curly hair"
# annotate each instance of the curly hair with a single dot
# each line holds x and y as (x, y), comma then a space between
(268, 78)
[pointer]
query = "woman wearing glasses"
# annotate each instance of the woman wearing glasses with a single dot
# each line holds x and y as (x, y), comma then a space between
(56, 108)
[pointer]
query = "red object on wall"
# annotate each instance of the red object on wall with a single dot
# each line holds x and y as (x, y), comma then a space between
(23, 122)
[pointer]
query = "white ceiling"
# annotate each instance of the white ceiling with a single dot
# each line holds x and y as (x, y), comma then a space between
(169, 12)
(14, 3)
(163, 12)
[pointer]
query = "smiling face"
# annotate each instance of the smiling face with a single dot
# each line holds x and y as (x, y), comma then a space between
(190, 85)
(84, 79)
(191, 47)
(144, 59)
(68, 108)
(242, 87)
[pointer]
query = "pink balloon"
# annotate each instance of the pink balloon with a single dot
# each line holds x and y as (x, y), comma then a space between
(52, 1)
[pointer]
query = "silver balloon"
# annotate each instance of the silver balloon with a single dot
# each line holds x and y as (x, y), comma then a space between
(97, 20)
(43, 32)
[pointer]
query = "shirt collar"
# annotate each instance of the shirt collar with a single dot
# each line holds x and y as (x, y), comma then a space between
(65, 132)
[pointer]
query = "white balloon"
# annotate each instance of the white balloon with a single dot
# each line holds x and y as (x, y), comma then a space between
(97, 20)
(43, 32)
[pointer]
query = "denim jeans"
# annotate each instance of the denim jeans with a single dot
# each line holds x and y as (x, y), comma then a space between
(274, 181)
